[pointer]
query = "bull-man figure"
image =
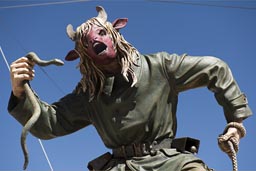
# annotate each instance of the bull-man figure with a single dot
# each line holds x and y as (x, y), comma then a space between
(130, 98)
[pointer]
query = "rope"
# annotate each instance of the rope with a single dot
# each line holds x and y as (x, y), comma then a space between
(233, 156)
(40, 142)
(229, 144)
(230, 147)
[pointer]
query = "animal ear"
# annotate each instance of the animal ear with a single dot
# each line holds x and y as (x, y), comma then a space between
(72, 55)
(120, 23)
(70, 32)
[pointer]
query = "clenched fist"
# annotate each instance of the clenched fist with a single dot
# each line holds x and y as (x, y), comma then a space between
(21, 70)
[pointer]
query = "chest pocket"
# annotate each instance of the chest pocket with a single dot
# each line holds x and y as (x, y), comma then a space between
(121, 102)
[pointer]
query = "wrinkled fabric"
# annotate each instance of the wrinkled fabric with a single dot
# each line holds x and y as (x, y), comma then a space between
(164, 159)
(150, 106)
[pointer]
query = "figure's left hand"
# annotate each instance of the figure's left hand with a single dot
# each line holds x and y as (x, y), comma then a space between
(232, 134)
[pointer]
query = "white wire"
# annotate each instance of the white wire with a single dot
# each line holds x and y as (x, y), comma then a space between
(6, 62)
(42, 4)
(45, 154)
(40, 142)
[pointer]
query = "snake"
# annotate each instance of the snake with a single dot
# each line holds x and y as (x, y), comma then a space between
(36, 110)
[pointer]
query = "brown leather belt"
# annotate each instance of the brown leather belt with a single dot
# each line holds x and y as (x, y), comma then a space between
(184, 144)
(141, 149)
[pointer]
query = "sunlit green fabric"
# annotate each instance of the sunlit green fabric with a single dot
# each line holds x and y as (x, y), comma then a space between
(124, 115)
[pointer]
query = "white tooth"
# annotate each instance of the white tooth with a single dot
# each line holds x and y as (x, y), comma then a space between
(95, 44)
(102, 52)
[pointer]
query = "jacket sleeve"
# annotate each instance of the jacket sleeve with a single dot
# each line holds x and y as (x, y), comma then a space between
(187, 72)
(66, 116)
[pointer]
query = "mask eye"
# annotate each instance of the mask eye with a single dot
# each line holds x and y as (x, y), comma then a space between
(102, 32)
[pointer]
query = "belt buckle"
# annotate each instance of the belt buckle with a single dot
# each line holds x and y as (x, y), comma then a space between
(136, 150)
(153, 148)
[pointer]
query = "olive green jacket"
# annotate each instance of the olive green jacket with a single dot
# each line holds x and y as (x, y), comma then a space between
(145, 112)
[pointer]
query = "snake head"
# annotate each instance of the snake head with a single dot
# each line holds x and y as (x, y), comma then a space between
(58, 62)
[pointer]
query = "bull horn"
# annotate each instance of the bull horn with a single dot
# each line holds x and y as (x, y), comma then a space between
(102, 13)
(71, 33)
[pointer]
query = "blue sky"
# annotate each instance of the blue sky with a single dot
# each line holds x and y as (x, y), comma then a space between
(227, 33)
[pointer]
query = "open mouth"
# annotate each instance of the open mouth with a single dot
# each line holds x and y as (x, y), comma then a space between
(99, 47)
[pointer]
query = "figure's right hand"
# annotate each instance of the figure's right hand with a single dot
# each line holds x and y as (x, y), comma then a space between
(21, 70)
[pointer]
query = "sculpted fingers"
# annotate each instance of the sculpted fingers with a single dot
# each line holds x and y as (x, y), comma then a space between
(23, 73)
(24, 59)
(22, 69)
(229, 142)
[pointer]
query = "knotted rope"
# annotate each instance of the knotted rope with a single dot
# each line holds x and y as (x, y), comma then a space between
(230, 144)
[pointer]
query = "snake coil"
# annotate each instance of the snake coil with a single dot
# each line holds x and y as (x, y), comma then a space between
(35, 105)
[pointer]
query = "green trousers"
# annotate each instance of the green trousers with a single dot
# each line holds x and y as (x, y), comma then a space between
(164, 160)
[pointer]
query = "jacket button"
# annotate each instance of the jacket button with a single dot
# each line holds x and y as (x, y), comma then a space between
(118, 100)
(154, 143)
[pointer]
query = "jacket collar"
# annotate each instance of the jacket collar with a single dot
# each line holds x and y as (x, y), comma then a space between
(109, 81)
